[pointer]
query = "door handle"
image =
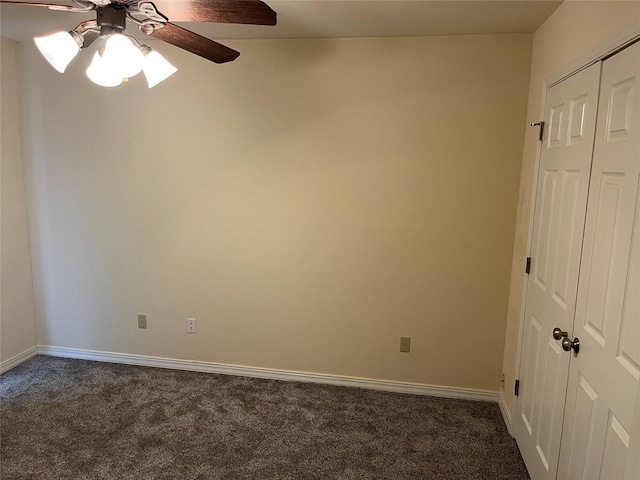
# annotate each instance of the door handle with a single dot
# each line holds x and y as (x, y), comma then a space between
(568, 344)
(558, 334)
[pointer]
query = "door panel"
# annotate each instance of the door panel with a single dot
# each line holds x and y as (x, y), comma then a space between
(562, 189)
(628, 351)
(616, 446)
(602, 393)
(632, 465)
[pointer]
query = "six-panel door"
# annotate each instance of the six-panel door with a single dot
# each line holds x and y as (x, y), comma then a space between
(602, 395)
(561, 198)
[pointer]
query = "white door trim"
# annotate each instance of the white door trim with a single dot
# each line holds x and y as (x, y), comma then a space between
(595, 54)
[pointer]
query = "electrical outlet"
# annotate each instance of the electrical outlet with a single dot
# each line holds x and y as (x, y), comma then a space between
(502, 382)
(191, 325)
(405, 344)
(142, 320)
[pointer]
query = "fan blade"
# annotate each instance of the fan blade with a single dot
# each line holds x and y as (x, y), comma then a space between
(34, 4)
(252, 12)
(194, 43)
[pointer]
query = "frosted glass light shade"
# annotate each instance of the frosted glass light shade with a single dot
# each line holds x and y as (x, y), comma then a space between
(122, 56)
(99, 72)
(58, 48)
(156, 68)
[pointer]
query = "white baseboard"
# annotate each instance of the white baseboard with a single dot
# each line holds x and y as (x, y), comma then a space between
(506, 415)
(18, 359)
(272, 374)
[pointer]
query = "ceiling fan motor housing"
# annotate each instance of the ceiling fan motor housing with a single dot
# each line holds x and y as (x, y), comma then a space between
(111, 19)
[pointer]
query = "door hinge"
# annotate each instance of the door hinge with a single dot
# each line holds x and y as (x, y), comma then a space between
(527, 267)
(539, 124)
(516, 389)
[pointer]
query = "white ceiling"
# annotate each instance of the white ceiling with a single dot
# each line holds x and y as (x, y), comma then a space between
(329, 18)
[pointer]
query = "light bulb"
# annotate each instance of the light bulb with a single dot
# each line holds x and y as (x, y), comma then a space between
(99, 72)
(122, 56)
(58, 48)
(156, 68)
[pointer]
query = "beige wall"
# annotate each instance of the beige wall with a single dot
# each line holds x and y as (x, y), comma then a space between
(568, 36)
(309, 204)
(17, 318)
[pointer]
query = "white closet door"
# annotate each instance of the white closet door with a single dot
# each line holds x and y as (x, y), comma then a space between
(602, 394)
(632, 468)
(561, 197)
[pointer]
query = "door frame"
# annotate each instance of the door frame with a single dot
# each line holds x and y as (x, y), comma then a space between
(599, 52)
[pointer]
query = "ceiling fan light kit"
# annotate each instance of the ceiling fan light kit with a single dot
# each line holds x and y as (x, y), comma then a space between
(155, 67)
(119, 57)
(100, 74)
(59, 48)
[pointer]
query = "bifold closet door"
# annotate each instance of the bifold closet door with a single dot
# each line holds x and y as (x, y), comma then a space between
(561, 199)
(602, 394)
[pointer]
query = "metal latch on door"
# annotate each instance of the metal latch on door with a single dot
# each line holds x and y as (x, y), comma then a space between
(539, 124)
(567, 343)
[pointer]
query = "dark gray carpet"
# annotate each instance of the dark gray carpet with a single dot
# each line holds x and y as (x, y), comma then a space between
(75, 419)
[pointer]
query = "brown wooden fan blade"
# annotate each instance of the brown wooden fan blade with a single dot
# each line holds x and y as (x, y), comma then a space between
(252, 12)
(194, 43)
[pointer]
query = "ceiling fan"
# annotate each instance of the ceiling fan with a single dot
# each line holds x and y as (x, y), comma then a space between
(119, 57)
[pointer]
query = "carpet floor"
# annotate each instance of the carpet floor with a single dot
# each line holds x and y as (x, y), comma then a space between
(74, 419)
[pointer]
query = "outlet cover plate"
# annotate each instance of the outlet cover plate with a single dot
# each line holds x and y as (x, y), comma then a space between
(405, 344)
(142, 320)
(191, 325)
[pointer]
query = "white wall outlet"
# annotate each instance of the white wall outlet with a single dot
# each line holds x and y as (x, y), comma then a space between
(191, 325)
(142, 320)
(405, 344)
